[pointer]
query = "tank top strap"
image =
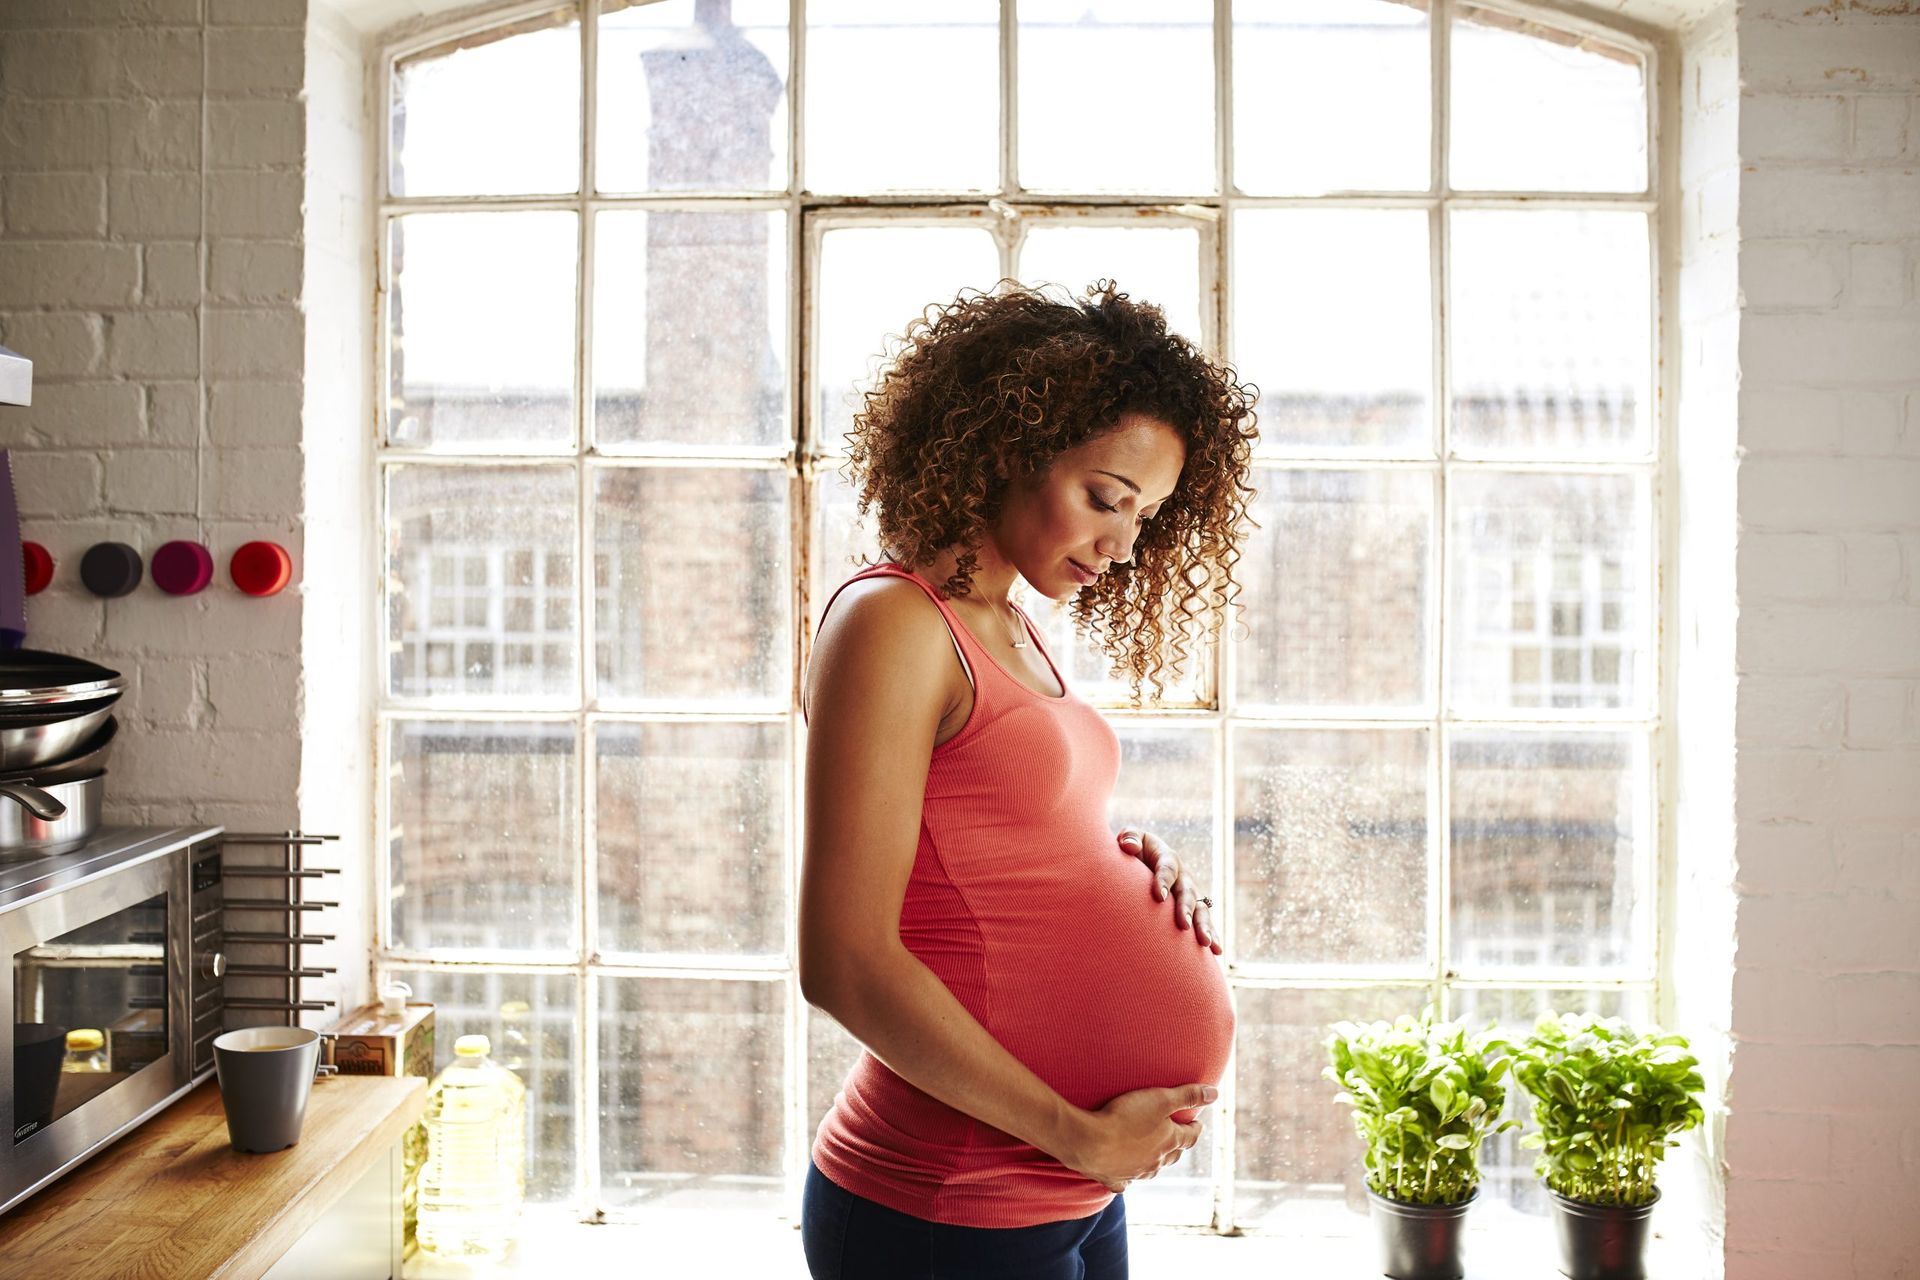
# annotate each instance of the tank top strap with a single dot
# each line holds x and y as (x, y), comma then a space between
(973, 659)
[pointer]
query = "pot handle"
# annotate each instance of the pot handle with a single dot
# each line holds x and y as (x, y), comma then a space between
(34, 800)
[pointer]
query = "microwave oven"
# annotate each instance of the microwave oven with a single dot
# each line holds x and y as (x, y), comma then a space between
(111, 965)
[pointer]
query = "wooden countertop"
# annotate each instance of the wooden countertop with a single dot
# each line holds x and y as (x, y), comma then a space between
(174, 1199)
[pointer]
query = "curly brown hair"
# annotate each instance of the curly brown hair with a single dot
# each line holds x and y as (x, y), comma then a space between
(999, 384)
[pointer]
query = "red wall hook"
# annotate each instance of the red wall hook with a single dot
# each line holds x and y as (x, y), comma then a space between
(261, 568)
(39, 566)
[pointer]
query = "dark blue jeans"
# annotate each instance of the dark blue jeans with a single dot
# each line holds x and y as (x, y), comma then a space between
(848, 1237)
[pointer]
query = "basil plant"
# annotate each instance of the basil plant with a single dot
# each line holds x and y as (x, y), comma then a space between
(1424, 1096)
(1608, 1101)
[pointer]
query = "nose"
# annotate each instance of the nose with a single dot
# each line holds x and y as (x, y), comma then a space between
(1117, 548)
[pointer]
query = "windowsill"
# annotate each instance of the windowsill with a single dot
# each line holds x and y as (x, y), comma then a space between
(552, 1244)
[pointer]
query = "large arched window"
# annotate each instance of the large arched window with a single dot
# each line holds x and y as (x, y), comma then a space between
(636, 258)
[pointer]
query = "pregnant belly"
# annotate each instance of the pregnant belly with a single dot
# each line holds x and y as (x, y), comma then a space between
(1105, 993)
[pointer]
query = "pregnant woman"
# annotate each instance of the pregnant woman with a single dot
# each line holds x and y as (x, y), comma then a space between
(1040, 1001)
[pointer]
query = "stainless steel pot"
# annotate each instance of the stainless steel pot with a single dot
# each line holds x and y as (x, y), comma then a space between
(51, 735)
(51, 705)
(23, 835)
(35, 678)
(88, 759)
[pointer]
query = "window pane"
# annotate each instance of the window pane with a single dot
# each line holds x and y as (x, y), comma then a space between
(1335, 96)
(529, 1021)
(1166, 786)
(1538, 109)
(480, 581)
(691, 833)
(842, 541)
(690, 329)
(690, 1094)
(481, 351)
(1336, 589)
(874, 282)
(456, 134)
(870, 66)
(1088, 668)
(1160, 265)
(692, 589)
(1300, 1168)
(482, 836)
(1551, 333)
(1550, 590)
(1507, 1177)
(1332, 319)
(1330, 846)
(1157, 139)
(1545, 846)
(693, 96)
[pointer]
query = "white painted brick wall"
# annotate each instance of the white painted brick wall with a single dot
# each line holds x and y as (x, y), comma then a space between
(336, 401)
(1703, 108)
(1823, 1127)
(159, 288)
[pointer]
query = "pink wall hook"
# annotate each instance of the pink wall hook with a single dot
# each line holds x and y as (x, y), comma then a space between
(182, 568)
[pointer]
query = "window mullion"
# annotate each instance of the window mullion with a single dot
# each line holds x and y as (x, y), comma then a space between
(1009, 97)
(1440, 747)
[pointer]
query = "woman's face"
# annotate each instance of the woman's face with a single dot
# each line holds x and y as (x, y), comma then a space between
(1062, 529)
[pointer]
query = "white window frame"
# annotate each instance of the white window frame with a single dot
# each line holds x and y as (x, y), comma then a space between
(808, 216)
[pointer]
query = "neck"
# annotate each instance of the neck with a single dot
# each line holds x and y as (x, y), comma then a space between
(993, 575)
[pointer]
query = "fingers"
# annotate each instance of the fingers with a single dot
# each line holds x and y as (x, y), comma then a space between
(1184, 902)
(1203, 932)
(1153, 851)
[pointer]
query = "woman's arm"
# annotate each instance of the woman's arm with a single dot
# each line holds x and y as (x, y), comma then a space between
(881, 680)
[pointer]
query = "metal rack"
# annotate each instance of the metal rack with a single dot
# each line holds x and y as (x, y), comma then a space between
(284, 943)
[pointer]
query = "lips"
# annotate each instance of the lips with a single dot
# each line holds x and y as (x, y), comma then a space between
(1081, 572)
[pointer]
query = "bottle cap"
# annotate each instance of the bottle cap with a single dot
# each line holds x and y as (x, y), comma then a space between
(85, 1039)
(472, 1046)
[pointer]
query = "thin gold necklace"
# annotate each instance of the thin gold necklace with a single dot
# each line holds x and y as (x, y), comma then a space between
(1019, 637)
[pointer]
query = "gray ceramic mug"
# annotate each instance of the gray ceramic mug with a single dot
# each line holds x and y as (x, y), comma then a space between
(266, 1074)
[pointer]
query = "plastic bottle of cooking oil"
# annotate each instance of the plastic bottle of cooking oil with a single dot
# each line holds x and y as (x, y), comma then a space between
(85, 1051)
(470, 1186)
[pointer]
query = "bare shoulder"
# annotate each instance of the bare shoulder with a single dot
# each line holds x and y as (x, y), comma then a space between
(883, 638)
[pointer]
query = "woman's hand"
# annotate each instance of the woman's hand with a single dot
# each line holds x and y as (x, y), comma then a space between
(1138, 1134)
(1170, 880)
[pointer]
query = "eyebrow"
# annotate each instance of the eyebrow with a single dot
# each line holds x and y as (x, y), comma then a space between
(1117, 476)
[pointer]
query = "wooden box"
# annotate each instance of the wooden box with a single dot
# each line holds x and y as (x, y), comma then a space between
(368, 1042)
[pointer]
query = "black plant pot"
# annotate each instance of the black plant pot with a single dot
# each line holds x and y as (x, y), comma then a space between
(1602, 1241)
(1419, 1241)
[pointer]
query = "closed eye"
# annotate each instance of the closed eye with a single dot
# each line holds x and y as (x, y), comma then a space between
(1110, 507)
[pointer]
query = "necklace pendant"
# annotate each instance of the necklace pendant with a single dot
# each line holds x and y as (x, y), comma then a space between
(1019, 644)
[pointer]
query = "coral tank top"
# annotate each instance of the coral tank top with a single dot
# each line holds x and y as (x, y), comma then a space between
(1024, 905)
